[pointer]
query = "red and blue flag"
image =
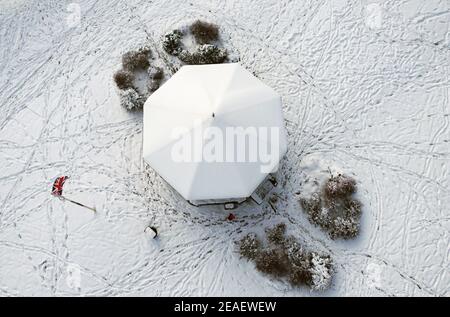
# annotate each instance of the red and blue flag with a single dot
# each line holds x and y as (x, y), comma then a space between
(57, 188)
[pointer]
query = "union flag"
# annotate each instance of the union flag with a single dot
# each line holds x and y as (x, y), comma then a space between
(57, 188)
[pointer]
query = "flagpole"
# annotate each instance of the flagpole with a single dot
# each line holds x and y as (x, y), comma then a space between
(77, 203)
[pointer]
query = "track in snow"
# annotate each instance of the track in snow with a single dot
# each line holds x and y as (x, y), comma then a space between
(374, 101)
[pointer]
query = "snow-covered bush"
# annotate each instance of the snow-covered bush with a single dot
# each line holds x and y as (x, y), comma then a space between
(284, 257)
(185, 56)
(172, 42)
(155, 75)
(276, 234)
(205, 54)
(153, 85)
(339, 186)
(321, 270)
(333, 208)
(132, 61)
(312, 204)
(300, 274)
(317, 213)
(294, 249)
(130, 99)
(123, 79)
(250, 246)
(208, 50)
(139, 59)
(204, 32)
(345, 228)
(299, 262)
(353, 207)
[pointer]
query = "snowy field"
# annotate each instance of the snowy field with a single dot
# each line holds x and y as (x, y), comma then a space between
(365, 90)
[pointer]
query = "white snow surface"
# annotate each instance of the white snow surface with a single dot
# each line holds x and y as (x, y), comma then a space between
(365, 88)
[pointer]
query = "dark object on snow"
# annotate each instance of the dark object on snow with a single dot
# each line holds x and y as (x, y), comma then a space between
(124, 79)
(231, 217)
(204, 32)
(153, 229)
(273, 181)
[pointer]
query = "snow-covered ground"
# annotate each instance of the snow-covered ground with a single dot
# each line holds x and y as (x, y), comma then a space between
(365, 87)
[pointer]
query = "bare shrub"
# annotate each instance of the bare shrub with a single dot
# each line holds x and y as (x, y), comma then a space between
(123, 79)
(334, 209)
(276, 234)
(156, 75)
(295, 251)
(299, 262)
(130, 99)
(205, 54)
(139, 59)
(250, 246)
(301, 274)
(153, 85)
(315, 209)
(208, 50)
(312, 204)
(204, 32)
(131, 61)
(172, 42)
(353, 207)
(273, 261)
(285, 258)
(339, 186)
